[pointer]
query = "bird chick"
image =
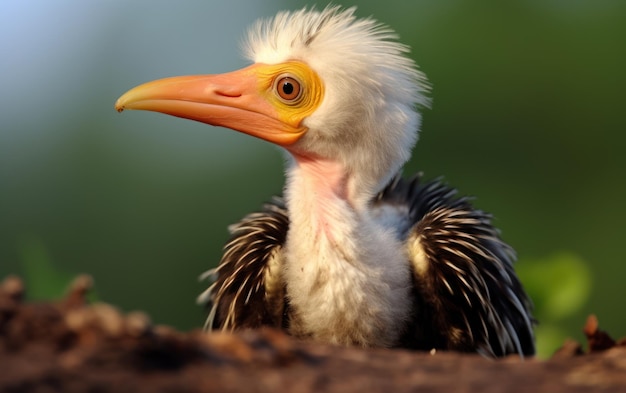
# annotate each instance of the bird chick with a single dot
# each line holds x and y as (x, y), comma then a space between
(351, 254)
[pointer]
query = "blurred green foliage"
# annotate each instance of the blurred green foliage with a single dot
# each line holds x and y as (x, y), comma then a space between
(560, 286)
(527, 116)
(43, 279)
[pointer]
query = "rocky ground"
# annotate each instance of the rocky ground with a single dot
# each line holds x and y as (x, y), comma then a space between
(71, 346)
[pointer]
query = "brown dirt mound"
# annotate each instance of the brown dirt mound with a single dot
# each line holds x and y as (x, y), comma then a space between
(70, 346)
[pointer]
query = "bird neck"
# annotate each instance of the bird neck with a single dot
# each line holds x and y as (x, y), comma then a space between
(318, 189)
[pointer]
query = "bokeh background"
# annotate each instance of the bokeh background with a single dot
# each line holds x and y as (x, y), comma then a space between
(528, 116)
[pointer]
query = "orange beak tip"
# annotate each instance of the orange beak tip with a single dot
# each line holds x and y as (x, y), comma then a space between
(119, 106)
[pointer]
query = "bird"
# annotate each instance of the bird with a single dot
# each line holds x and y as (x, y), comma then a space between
(351, 253)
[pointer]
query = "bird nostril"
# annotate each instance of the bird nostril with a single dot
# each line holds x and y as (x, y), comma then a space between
(229, 94)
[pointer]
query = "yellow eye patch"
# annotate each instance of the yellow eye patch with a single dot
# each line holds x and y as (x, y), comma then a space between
(294, 89)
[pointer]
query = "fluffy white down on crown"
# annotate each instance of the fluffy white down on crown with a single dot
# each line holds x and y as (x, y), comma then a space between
(367, 120)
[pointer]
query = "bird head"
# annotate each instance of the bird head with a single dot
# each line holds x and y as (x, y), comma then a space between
(323, 85)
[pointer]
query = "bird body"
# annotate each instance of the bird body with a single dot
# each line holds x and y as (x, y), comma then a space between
(351, 254)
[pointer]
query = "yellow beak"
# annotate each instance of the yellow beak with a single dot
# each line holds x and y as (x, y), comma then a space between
(235, 100)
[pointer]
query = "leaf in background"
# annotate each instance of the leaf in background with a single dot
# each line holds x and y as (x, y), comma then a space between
(43, 279)
(559, 286)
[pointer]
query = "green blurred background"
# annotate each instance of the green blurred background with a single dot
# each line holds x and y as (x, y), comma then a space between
(528, 116)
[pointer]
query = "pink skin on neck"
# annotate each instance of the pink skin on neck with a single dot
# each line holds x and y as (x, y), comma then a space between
(326, 183)
(327, 177)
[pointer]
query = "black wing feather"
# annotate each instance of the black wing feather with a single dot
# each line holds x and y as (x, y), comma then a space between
(467, 293)
(248, 291)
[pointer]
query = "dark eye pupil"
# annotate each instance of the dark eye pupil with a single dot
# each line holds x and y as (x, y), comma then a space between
(288, 88)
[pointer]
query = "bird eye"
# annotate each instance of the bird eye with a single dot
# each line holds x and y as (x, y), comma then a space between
(288, 89)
